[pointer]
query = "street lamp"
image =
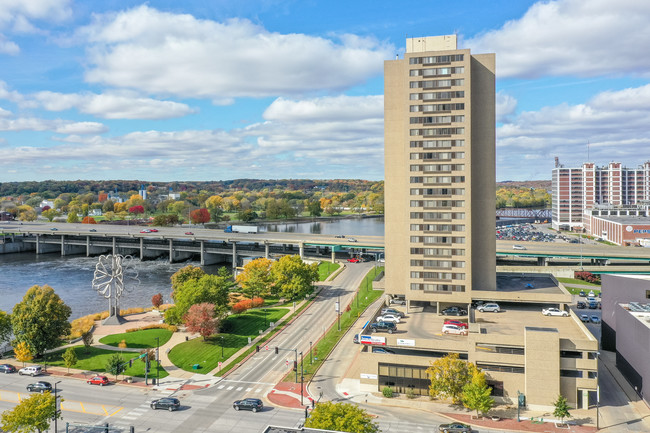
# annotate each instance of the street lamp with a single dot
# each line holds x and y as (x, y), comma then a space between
(264, 309)
(56, 407)
(311, 361)
(158, 361)
(221, 338)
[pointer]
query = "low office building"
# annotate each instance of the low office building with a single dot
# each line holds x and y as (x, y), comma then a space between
(622, 226)
(518, 348)
(626, 326)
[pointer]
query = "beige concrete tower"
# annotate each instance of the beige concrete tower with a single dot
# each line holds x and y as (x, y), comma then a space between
(439, 133)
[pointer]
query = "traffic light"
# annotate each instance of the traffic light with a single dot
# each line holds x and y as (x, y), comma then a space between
(257, 348)
(276, 350)
(295, 365)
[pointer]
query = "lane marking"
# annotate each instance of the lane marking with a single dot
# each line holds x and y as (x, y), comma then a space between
(229, 388)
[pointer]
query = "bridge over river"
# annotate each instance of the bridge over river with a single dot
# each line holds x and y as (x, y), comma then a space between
(214, 246)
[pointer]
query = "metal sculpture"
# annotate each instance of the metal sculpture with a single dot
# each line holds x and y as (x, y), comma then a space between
(112, 273)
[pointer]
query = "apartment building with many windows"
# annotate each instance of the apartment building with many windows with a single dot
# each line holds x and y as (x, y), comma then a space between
(439, 107)
(574, 190)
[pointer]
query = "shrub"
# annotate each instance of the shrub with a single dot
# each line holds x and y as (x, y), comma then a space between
(241, 306)
(171, 328)
(410, 393)
(122, 344)
(387, 391)
(257, 302)
(157, 300)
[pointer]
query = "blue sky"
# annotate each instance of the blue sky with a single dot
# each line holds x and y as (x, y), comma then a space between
(215, 90)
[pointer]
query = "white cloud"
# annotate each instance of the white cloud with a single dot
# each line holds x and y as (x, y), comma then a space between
(113, 105)
(17, 15)
(612, 126)
(176, 54)
(572, 37)
(81, 128)
(505, 106)
(331, 108)
(4, 113)
(56, 125)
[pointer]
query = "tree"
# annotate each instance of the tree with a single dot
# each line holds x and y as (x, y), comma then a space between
(70, 358)
(5, 327)
(256, 278)
(184, 274)
(87, 338)
(32, 414)
(114, 364)
(23, 353)
(200, 216)
(50, 214)
(561, 408)
(292, 277)
(40, 319)
(157, 300)
(209, 288)
(200, 318)
(476, 394)
(139, 209)
(214, 204)
(72, 216)
(448, 376)
(344, 417)
(88, 220)
(247, 215)
(314, 208)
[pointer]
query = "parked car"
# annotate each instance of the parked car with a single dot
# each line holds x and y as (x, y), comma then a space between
(491, 307)
(398, 301)
(254, 404)
(34, 370)
(98, 380)
(7, 368)
(383, 326)
(393, 311)
(355, 339)
(382, 350)
(168, 403)
(454, 311)
(455, 427)
(353, 260)
(454, 329)
(456, 322)
(595, 319)
(581, 305)
(39, 387)
(554, 312)
(582, 293)
(584, 318)
(389, 318)
(518, 247)
(591, 294)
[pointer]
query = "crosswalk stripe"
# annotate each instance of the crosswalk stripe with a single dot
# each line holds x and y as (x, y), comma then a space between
(221, 386)
(240, 388)
(248, 389)
(229, 388)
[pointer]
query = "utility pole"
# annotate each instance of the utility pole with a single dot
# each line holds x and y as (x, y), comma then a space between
(302, 377)
(158, 361)
(338, 311)
(56, 407)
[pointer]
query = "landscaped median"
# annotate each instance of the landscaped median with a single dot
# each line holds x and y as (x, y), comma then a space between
(322, 348)
(237, 329)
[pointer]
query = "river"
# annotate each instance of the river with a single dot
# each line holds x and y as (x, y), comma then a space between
(71, 277)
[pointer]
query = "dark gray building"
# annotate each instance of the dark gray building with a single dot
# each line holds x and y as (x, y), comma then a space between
(626, 327)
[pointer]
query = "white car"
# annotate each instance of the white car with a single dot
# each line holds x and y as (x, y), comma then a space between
(518, 247)
(490, 307)
(453, 329)
(393, 318)
(554, 312)
(591, 294)
(34, 370)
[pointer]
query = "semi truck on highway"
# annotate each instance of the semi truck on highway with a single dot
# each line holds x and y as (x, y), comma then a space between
(241, 229)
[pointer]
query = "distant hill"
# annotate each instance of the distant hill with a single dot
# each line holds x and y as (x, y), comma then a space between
(537, 184)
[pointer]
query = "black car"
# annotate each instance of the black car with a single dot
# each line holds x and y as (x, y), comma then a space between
(168, 403)
(39, 387)
(455, 427)
(581, 305)
(7, 368)
(454, 311)
(389, 327)
(254, 404)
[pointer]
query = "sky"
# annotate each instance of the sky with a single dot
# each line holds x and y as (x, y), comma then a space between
(219, 89)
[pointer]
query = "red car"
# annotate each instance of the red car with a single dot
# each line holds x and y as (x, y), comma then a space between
(189, 233)
(98, 380)
(353, 260)
(153, 230)
(456, 322)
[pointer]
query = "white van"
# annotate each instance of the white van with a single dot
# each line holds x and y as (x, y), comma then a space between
(34, 370)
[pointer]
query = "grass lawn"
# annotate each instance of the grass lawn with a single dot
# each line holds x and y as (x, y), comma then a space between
(237, 329)
(576, 281)
(325, 269)
(365, 296)
(94, 359)
(139, 339)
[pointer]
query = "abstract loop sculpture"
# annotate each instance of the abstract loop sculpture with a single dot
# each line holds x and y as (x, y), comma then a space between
(112, 272)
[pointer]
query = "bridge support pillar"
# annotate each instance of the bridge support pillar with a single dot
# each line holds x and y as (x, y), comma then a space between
(62, 245)
(114, 245)
(234, 255)
(542, 261)
(171, 251)
(301, 248)
(333, 256)
(43, 248)
(266, 250)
